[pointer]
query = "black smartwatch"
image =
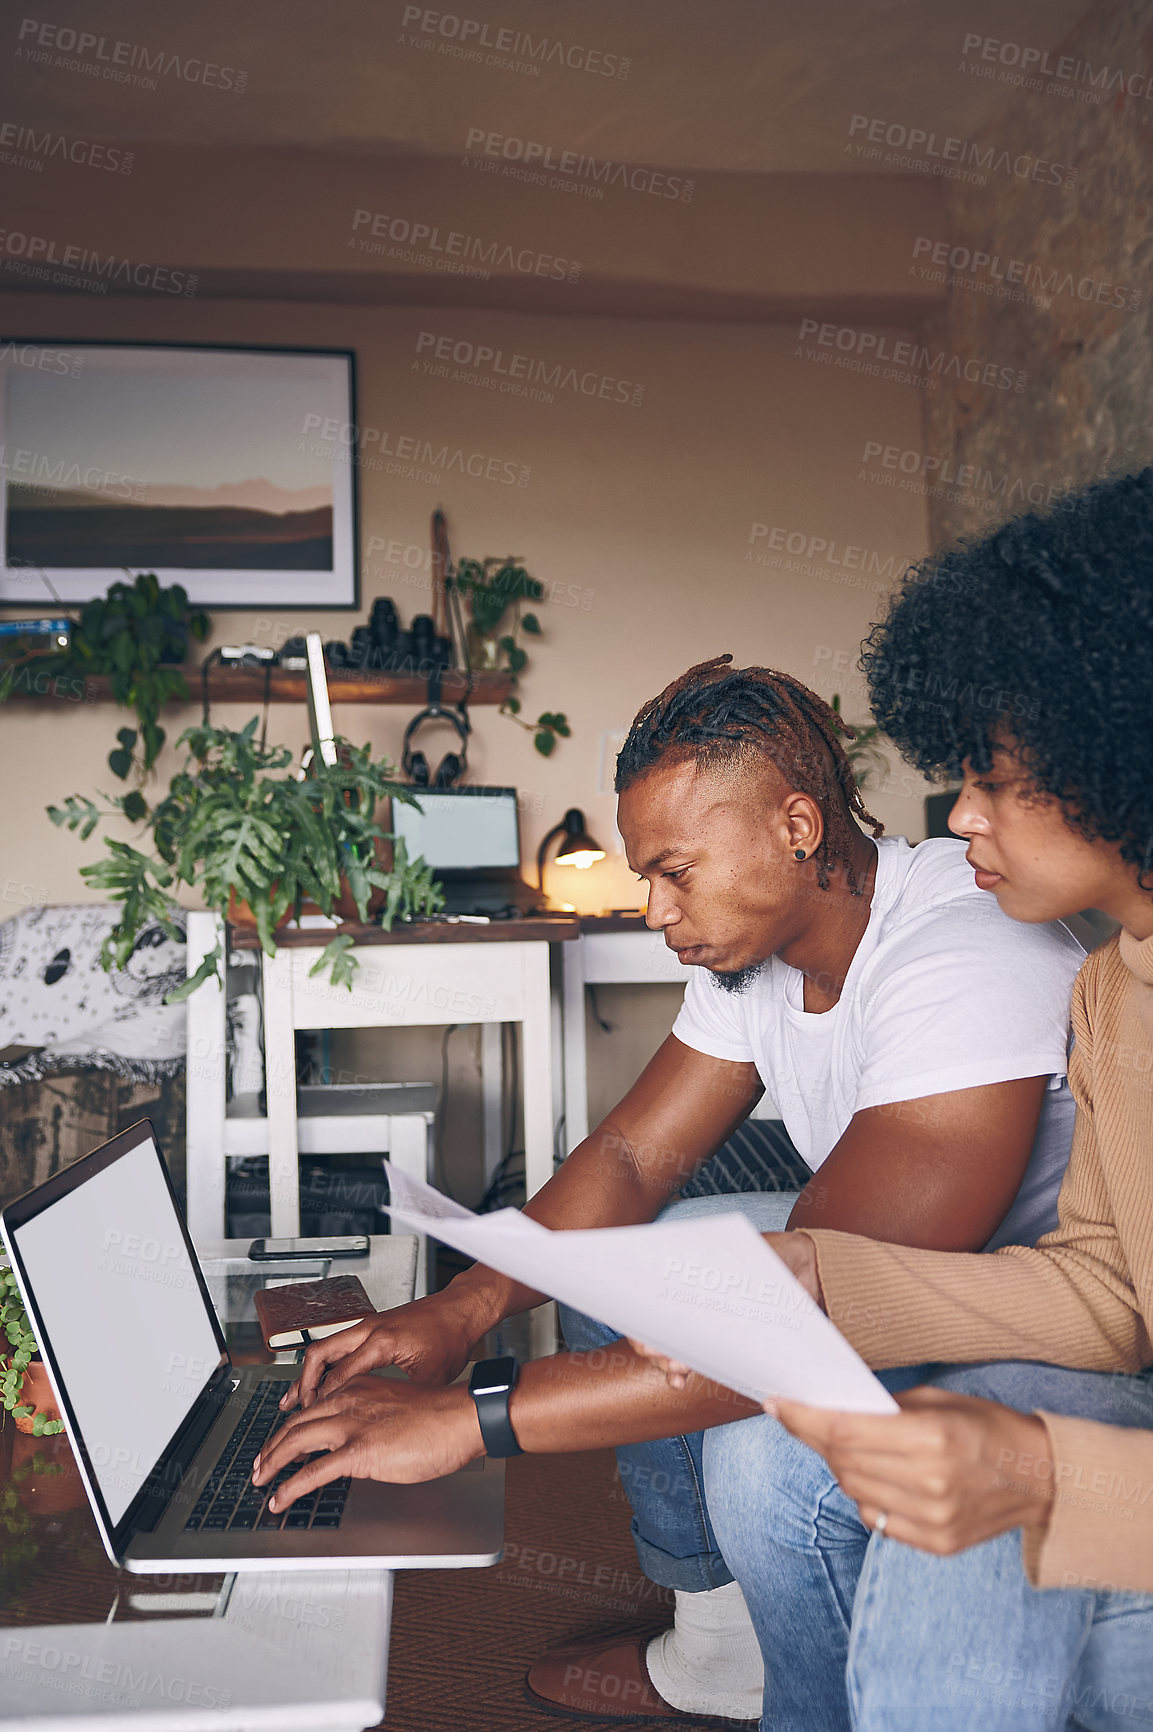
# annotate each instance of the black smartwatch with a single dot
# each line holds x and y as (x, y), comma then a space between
(491, 1384)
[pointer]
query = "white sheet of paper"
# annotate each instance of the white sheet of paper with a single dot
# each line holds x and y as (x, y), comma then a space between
(707, 1291)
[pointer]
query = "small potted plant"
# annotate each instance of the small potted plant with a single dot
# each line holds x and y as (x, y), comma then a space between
(25, 1391)
(242, 828)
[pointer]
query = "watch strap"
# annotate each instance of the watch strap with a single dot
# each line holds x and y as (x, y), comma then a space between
(492, 1407)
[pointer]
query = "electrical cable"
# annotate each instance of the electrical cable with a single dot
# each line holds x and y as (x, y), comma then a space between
(514, 1087)
(210, 659)
(504, 1128)
(267, 702)
(506, 1187)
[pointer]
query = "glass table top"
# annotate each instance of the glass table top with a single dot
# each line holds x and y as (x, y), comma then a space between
(53, 1567)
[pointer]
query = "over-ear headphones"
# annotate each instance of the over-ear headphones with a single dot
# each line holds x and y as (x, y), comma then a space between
(454, 764)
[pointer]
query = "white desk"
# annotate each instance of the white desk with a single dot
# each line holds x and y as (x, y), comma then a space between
(487, 975)
(417, 976)
(402, 984)
(213, 1137)
(604, 955)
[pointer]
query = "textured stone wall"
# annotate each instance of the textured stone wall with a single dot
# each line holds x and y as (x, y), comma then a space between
(1087, 404)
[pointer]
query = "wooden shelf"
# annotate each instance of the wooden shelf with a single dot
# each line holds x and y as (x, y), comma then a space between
(246, 686)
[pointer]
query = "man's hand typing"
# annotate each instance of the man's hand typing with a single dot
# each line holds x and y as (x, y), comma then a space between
(373, 1428)
(430, 1339)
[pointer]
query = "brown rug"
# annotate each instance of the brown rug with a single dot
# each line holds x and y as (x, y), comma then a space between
(462, 1640)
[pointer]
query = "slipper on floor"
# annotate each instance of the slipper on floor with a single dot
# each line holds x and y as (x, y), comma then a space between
(607, 1680)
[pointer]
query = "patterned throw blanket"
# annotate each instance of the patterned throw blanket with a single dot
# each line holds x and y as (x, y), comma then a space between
(60, 1010)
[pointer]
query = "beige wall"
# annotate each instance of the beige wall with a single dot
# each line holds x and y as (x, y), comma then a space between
(640, 516)
(1084, 335)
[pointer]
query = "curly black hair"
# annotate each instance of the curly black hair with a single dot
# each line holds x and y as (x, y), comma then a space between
(1037, 636)
(716, 714)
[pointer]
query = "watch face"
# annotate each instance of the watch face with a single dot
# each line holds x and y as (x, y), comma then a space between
(492, 1376)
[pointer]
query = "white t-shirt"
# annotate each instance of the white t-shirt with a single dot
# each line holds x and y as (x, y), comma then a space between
(944, 992)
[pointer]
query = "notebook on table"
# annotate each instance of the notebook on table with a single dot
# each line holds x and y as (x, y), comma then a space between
(299, 1312)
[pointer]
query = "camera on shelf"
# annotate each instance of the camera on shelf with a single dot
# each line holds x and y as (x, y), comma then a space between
(381, 646)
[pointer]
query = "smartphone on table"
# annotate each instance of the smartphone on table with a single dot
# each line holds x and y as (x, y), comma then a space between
(307, 1250)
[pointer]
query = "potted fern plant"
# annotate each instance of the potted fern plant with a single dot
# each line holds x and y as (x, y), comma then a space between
(25, 1391)
(243, 829)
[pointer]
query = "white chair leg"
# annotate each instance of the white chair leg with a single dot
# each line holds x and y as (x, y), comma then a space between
(280, 1089)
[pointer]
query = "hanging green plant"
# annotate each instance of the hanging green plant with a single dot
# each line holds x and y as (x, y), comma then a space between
(137, 635)
(496, 590)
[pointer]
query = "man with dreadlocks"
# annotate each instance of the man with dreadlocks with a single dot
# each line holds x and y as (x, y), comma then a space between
(912, 1038)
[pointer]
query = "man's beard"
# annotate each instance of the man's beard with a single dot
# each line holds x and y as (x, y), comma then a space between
(736, 979)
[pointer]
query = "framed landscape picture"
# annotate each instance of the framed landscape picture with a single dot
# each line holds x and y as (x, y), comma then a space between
(231, 471)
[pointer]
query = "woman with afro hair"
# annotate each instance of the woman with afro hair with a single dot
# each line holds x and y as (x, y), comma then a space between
(984, 1558)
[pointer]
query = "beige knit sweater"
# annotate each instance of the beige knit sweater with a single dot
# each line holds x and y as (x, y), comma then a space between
(1082, 1297)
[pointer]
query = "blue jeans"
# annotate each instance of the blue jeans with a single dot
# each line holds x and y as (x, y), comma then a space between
(862, 1631)
(663, 1481)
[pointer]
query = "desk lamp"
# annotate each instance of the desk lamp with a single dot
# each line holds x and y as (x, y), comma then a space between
(578, 848)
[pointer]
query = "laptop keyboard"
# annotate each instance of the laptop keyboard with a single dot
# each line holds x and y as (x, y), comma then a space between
(231, 1503)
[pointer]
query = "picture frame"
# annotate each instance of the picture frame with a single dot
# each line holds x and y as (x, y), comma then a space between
(228, 469)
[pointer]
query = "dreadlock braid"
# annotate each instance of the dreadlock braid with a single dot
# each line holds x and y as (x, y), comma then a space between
(715, 714)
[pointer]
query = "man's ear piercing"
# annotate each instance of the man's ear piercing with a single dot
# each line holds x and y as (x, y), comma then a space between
(800, 853)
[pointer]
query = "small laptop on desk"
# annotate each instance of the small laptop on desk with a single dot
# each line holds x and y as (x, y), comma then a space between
(470, 837)
(165, 1427)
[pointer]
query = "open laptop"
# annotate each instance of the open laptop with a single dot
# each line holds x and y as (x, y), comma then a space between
(165, 1426)
(470, 837)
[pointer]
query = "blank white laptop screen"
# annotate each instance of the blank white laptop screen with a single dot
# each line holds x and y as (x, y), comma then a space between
(122, 1309)
(473, 828)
